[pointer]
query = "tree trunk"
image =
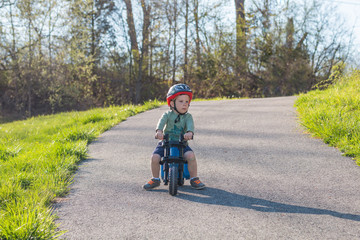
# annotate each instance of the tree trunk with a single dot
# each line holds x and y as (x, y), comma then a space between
(174, 43)
(240, 41)
(131, 25)
(144, 58)
(197, 31)
(15, 68)
(140, 59)
(186, 41)
(134, 45)
(29, 75)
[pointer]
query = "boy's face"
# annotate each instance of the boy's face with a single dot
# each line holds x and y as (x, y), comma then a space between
(182, 103)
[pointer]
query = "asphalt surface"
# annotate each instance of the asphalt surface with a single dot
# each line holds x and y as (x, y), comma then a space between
(266, 179)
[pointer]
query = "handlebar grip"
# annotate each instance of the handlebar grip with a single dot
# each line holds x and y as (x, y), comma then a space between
(166, 137)
(182, 137)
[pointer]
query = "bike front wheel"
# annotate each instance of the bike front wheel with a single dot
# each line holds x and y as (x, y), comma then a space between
(173, 183)
(181, 177)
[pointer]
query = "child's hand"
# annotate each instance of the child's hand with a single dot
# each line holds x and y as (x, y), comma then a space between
(159, 135)
(188, 136)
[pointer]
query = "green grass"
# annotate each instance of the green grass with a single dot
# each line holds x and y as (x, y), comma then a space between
(334, 114)
(38, 158)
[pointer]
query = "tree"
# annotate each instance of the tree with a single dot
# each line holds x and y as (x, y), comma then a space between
(186, 47)
(197, 31)
(89, 32)
(140, 57)
(241, 66)
(175, 32)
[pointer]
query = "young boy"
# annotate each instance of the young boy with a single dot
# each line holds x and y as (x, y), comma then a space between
(175, 122)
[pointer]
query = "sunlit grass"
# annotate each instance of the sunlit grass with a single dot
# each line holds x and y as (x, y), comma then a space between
(38, 157)
(334, 114)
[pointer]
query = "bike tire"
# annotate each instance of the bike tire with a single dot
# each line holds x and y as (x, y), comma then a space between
(166, 174)
(173, 183)
(181, 177)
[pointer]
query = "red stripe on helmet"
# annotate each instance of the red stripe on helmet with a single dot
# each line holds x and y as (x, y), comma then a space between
(177, 94)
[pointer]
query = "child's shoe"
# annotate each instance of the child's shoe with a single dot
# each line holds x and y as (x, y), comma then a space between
(196, 183)
(153, 183)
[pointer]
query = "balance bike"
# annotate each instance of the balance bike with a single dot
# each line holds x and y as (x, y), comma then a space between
(173, 165)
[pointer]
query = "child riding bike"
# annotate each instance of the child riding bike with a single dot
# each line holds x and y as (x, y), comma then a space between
(174, 122)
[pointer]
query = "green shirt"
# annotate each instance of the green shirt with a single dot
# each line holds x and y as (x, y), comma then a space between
(184, 123)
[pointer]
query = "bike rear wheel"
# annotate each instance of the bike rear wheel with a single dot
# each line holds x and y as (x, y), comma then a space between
(173, 183)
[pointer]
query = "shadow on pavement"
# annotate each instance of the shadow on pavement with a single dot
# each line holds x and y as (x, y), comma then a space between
(224, 198)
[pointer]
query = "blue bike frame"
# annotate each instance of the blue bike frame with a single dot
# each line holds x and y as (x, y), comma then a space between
(173, 159)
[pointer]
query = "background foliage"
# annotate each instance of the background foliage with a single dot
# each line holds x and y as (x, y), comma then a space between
(76, 54)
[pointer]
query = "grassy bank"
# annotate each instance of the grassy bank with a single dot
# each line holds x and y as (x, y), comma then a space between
(334, 114)
(38, 157)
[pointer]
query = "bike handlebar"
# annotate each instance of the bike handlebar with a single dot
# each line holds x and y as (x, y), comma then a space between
(181, 137)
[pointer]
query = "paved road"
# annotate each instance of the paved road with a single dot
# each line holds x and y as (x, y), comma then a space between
(266, 180)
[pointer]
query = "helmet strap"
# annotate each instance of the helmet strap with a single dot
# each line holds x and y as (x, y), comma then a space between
(177, 110)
